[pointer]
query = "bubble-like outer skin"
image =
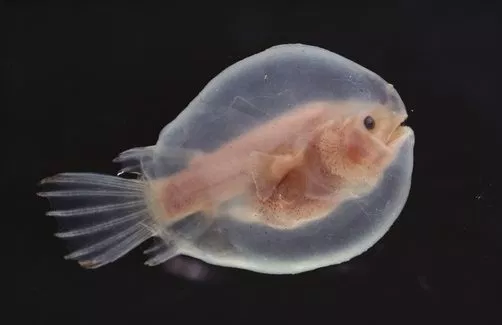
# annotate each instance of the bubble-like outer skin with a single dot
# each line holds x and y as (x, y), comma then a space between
(250, 93)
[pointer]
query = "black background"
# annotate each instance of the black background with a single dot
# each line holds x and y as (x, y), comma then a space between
(87, 82)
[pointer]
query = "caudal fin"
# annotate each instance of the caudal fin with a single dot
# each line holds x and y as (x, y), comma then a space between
(102, 217)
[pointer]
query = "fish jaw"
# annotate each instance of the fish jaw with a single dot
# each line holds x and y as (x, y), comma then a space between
(397, 132)
(400, 134)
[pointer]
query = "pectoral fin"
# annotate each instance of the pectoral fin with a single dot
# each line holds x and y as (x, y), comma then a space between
(316, 190)
(268, 170)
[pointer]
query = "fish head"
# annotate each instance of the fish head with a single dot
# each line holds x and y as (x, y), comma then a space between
(364, 143)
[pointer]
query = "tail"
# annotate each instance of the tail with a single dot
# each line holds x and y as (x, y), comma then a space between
(104, 217)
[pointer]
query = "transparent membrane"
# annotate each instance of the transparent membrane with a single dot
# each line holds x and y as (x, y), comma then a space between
(247, 95)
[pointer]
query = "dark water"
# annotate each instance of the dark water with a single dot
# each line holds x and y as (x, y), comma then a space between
(86, 82)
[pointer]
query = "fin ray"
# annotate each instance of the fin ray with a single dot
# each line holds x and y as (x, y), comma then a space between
(134, 216)
(119, 249)
(103, 217)
(160, 252)
(95, 209)
(108, 215)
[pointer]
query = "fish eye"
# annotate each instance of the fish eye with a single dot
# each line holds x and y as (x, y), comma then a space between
(369, 122)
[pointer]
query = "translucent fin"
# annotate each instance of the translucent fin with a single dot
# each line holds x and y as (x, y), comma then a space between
(155, 162)
(239, 115)
(242, 105)
(180, 157)
(102, 217)
(160, 252)
(268, 170)
(131, 159)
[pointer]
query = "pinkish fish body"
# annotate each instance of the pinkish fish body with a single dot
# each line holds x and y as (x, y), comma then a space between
(303, 185)
(213, 178)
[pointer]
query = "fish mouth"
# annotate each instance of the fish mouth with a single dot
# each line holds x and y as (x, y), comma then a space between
(400, 132)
